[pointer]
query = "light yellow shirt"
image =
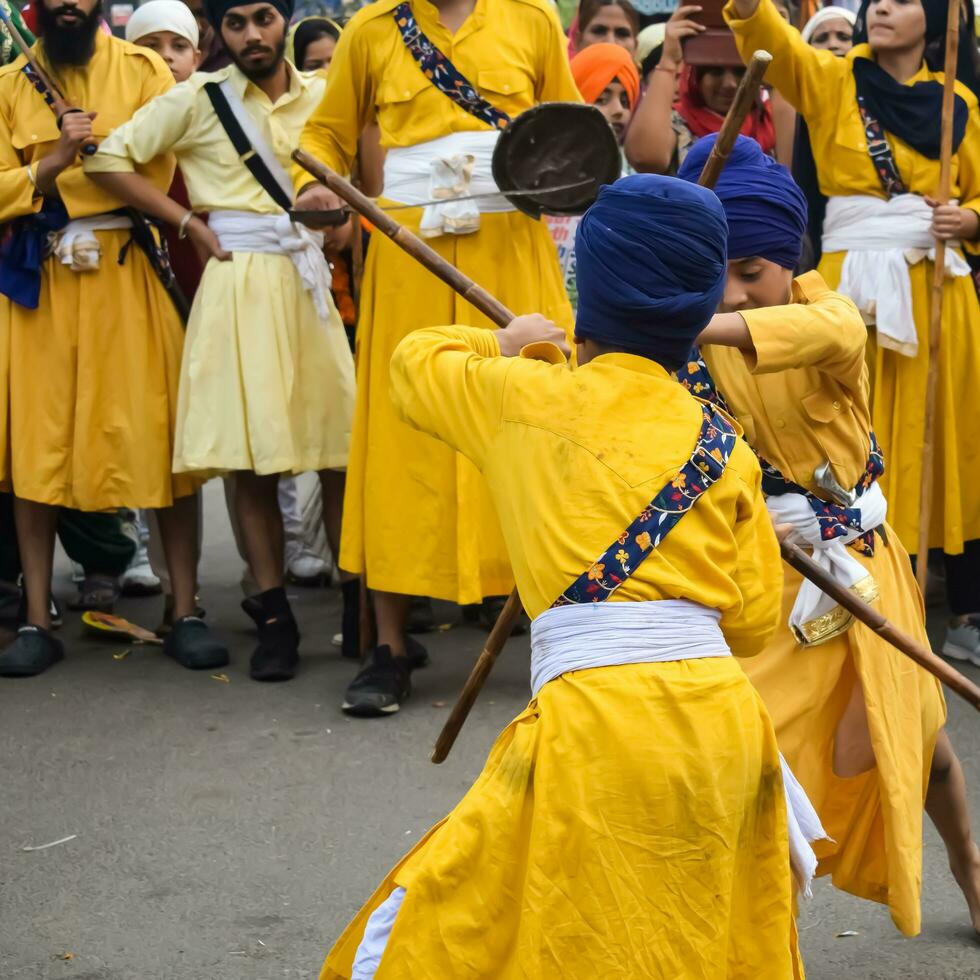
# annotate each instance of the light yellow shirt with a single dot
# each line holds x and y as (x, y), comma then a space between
(821, 87)
(513, 51)
(184, 122)
(572, 457)
(119, 78)
(806, 400)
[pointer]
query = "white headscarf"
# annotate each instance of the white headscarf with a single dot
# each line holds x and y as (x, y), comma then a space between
(163, 15)
(822, 16)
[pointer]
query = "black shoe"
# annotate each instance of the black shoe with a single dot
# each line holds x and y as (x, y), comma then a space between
(350, 624)
(276, 658)
(379, 689)
(194, 646)
(416, 654)
(167, 623)
(491, 608)
(34, 651)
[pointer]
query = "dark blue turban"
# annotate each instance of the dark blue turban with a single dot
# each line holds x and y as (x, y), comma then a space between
(766, 210)
(650, 264)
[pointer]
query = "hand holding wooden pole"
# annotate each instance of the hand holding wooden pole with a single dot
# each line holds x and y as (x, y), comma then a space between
(928, 487)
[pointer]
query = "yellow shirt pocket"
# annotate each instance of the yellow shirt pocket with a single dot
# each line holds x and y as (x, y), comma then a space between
(829, 413)
(506, 89)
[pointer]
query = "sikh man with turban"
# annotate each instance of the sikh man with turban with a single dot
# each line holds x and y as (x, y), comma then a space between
(90, 343)
(441, 79)
(632, 820)
(266, 384)
(860, 724)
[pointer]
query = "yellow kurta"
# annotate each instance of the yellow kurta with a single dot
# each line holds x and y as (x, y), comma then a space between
(821, 87)
(630, 822)
(804, 403)
(266, 385)
(88, 380)
(417, 518)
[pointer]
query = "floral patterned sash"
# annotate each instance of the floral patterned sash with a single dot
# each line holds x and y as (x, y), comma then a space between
(881, 153)
(835, 520)
(618, 562)
(443, 74)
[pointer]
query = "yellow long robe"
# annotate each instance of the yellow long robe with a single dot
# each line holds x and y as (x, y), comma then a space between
(630, 822)
(88, 380)
(266, 384)
(806, 402)
(821, 87)
(417, 517)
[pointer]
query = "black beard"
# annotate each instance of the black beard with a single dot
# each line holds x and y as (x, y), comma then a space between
(68, 46)
(260, 74)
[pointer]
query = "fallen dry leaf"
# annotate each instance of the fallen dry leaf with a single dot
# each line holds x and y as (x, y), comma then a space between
(224, 678)
(122, 655)
(66, 956)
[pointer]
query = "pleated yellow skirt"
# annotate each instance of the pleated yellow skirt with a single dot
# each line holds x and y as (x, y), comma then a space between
(418, 518)
(265, 384)
(88, 387)
(875, 819)
(898, 386)
(630, 823)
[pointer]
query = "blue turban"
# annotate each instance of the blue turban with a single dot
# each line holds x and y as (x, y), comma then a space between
(650, 265)
(766, 210)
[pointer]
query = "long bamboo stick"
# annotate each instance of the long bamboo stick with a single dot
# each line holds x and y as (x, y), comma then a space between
(928, 483)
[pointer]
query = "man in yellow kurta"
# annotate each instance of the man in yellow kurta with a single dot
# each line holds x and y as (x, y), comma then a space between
(877, 235)
(860, 724)
(631, 821)
(267, 381)
(417, 517)
(90, 343)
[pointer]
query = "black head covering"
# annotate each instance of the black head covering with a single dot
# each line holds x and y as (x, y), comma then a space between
(914, 112)
(216, 9)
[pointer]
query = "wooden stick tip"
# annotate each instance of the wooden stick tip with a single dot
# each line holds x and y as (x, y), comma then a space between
(762, 56)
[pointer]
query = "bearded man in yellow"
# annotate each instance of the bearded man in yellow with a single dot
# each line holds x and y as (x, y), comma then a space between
(442, 79)
(632, 821)
(860, 724)
(90, 343)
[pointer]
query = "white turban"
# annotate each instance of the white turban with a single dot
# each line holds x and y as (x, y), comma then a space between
(163, 15)
(822, 16)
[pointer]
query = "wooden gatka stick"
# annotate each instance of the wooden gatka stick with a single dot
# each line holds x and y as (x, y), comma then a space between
(936, 305)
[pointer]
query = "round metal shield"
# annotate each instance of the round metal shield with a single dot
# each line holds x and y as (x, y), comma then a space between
(562, 145)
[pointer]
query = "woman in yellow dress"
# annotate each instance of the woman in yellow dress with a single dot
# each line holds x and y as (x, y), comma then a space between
(631, 821)
(883, 98)
(860, 724)
(417, 516)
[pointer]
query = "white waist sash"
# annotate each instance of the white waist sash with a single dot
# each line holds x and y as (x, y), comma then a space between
(76, 245)
(452, 166)
(607, 634)
(882, 239)
(815, 616)
(275, 234)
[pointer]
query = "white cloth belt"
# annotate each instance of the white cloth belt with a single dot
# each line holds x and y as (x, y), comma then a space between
(606, 634)
(275, 234)
(456, 165)
(882, 239)
(76, 245)
(812, 605)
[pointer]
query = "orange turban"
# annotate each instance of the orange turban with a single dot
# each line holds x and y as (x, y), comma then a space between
(594, 67)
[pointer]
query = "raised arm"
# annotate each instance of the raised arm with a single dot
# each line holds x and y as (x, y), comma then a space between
(804, 76)
(450, 381)
(651, 141)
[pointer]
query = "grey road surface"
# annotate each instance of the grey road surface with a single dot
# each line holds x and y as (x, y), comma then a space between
(227, 830)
